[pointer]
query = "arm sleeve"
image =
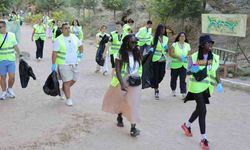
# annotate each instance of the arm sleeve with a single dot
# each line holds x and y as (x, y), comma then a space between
(56, 45)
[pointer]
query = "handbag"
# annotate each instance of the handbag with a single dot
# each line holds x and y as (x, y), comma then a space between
(4, 40)
(201, 74)
(134, 80)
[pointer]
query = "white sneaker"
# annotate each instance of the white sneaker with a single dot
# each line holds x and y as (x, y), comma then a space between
(10, 93)
(183, 95)
(3, 96)
(62, 94)
(69, 102)
(173, 94)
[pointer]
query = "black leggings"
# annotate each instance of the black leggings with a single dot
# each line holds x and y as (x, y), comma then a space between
(112, 60)
(200, 112)
(39, 48)
(182, 73)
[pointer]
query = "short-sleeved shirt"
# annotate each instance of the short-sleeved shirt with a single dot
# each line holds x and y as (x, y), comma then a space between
(71, 52)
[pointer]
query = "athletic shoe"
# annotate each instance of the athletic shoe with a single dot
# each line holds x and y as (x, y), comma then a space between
(3, 96)
(105, 73)
(134, 132)
(69, 102)
(120, 121)
(187, 131)
(204, 144)
(173, 93)
(157, 97)
(10, 93)
(183, 96)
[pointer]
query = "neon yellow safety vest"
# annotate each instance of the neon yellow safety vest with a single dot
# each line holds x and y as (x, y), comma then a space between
(54, 33)
(116, 43)
(78, 34)
(7, 52)
(126, 28)
(160, 50)
(124, 72)
(207, 83)
(144, 36)
(176, 63)
(61, 54)
(39, 32)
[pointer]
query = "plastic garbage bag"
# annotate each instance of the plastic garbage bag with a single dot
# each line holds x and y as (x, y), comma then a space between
(51, 86)
(147, 71)
(25, 72)
(99, 53)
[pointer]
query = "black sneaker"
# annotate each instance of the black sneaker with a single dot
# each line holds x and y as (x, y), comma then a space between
(134, 132)
(120, 121)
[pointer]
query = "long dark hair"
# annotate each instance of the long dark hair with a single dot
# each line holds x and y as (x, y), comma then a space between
(158, 32)
(124, 50)
(200, 53)
(178, 36)
(77, 22)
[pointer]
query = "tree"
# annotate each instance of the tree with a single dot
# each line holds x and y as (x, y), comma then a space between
(90, 4)
(115, 5)
(6, 5)
(48, 5)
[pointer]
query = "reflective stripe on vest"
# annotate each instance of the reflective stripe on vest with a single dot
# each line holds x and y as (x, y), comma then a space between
(61, 54)
(144, 36)
(124, 72)
(160, 50)
(39, 32)
(207, 83)
(116, 43)
(176, 63)
(7, 52)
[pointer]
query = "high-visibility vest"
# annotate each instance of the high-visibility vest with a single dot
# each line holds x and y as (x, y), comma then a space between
(39, 32)
(144, 36)
(124, 72)
(116, 43)
(126, 28)
(7, 52)
(176, 63)
(160, 50)
(78, 34)
(61, 54)
(207, 83)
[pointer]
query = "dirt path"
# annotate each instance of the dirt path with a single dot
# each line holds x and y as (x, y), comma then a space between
(35, 121)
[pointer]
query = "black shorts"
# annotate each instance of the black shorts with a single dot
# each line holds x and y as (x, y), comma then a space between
(112, 60)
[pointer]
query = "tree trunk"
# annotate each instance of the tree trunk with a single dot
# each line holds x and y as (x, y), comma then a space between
(114, 15)
(204, 5)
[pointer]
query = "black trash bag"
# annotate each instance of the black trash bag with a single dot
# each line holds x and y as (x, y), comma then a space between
(51, 86)
(25, 72)
(99, 53)
(147, 71)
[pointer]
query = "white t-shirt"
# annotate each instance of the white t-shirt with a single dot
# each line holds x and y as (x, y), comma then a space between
(133, 65)
(71, 52)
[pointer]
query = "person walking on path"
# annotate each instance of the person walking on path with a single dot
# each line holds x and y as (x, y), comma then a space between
(179, 52)
(39, 36)
(76, 29)
(67, 50)
(160, 47)
(124, 93)
(145, 36)
(99, 36)
(203, 67)
(8, 52)
(116, 42)
(127, 28)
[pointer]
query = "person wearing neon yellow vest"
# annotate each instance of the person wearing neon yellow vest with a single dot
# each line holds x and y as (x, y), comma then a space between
(127, 28)
(159, 48)
(39, 36)
(123, 98)
(68, 50)
(145, 36)
(76, 29)
(201, 89)
(99, 37)
(8, 51)
(116, 42)
(179, 53)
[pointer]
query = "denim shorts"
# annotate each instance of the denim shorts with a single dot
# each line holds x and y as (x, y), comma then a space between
(7, 67)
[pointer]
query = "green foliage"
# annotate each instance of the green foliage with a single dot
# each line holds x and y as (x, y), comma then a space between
(175, 9)
(6, 5)
(33, 18)
(48, 5)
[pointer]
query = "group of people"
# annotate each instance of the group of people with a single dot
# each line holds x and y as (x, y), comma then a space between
(127, 51)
